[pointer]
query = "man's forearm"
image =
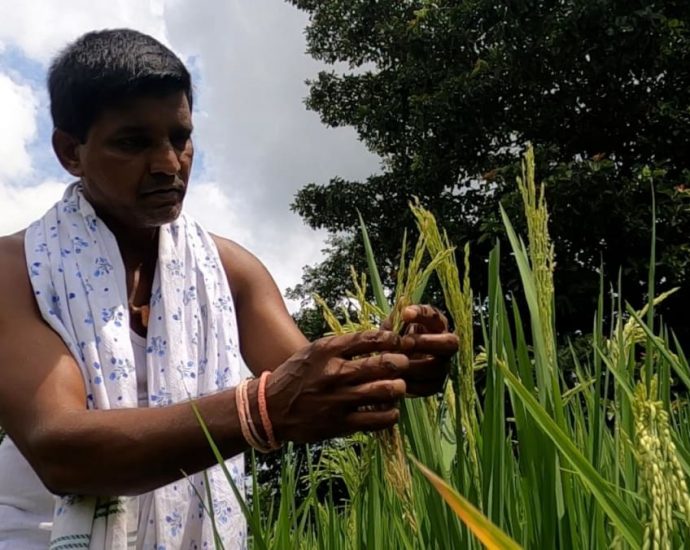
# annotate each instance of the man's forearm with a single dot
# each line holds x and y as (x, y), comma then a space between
(131, 451)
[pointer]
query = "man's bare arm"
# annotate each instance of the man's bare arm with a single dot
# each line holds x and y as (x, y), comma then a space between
(130, 451)
(75, 450)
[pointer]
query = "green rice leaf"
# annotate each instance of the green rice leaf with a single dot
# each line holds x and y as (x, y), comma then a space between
(621, 515)
(376, 284)
(663, 349)
(259, 541)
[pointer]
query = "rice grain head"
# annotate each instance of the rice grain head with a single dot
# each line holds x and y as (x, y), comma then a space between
(541, 251)
(368, 316)
(661, 475)
(458, 299)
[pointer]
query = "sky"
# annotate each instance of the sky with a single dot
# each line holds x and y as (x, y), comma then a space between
(256, 143)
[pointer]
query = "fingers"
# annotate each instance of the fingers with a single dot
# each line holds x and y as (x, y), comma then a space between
(427, 316)
(426, 375)
(445, 344)
(426, 320)
(372, 405)
(360, 343)
(384, 366)
(424, 389)
(379, 392)
(414, 328)
(427, 368)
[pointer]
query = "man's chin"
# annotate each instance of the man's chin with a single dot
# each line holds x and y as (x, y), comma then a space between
(162, 216)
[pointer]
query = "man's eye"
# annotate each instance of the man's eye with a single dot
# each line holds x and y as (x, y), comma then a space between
(180, 141)
(132, 143)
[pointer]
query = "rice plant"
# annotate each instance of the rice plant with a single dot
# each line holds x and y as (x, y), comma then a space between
(529, 458)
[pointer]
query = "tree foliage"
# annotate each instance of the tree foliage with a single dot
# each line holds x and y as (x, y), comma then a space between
(448, 92)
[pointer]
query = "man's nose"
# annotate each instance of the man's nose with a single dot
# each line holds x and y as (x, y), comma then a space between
(165, 159)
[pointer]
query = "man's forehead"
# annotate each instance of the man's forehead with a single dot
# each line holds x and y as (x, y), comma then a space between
(142, 111)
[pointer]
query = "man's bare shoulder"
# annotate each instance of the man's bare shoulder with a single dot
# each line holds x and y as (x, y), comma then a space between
(237, 261)
(261, 313)
(13, 241)
(15, 287)
(244, 270)
(12, 255)
(225, 245)
(236, 258)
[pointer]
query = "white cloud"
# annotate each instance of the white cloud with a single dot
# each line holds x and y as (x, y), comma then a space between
(283, 257)
(207, 203)
(259, 143)
(41, 27)
(18, 107)
(22, 205)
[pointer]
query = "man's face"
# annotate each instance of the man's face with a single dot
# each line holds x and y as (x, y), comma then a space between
(136, 161)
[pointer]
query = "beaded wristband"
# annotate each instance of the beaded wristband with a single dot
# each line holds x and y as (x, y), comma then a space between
(259, 443)
(263, 411)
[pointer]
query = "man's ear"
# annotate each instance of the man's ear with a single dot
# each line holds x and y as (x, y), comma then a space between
(66, 148)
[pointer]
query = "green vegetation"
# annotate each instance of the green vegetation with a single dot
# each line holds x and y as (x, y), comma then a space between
(445, 92)
(596, 460)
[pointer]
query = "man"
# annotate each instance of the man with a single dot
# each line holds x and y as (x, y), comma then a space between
(116, 309)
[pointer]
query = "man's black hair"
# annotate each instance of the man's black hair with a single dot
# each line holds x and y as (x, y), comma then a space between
(104, 68)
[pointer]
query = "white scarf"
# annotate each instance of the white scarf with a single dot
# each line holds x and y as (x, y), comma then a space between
(78, 279)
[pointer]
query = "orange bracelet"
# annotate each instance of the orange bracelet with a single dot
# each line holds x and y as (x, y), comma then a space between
(258, 442)
(263, 411)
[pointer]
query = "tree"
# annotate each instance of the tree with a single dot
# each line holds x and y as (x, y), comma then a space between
(448, 92)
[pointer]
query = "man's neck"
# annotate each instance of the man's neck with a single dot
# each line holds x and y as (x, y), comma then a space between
(138, 248)
(138, 245)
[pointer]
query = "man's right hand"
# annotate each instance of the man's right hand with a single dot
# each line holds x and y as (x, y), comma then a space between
(320, 391)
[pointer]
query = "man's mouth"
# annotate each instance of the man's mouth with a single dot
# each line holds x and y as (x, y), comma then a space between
(164, 191)
(175, 185)
(165, 195)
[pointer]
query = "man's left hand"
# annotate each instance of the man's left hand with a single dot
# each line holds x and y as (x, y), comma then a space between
(429, 346)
